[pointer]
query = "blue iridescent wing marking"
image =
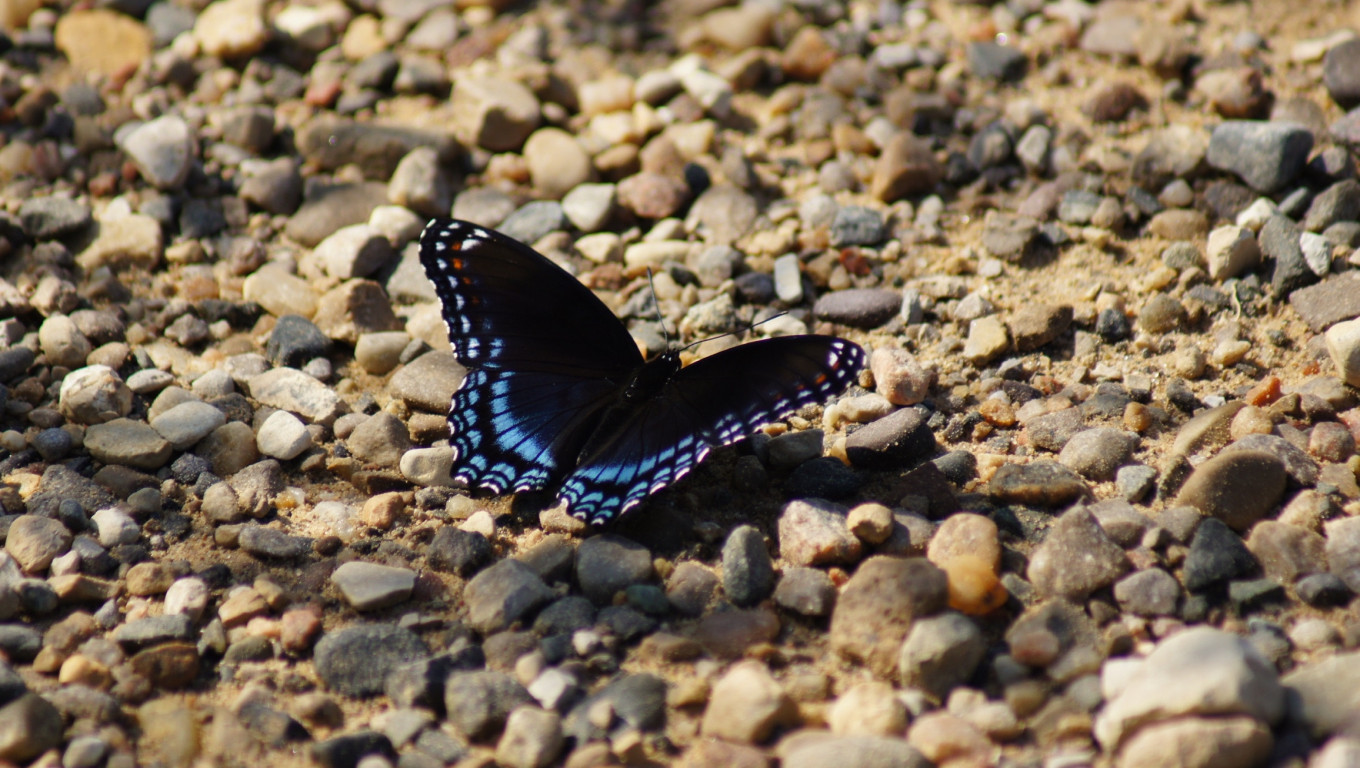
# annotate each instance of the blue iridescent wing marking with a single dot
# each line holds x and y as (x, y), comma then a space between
(542, 355)
(714, 402)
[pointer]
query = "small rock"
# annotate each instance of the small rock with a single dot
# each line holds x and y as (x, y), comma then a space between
(746, 704)
(878, 605)
(357, 660)
(1076, 558)
(369, 586)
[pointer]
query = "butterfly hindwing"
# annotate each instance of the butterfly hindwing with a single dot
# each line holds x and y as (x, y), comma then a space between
(716, 401)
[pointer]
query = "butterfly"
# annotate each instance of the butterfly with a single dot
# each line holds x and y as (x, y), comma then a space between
(557, 394)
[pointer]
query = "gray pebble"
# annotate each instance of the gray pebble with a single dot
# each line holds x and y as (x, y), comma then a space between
(1151, 592)
(370, 586)
(608, 564)
(504, 593)
(357, 660)
(1265, 155)
(261, 541)
(806, 591)
(478, 703)
(748, 572)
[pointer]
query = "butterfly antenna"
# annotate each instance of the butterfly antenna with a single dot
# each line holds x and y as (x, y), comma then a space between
(656, 307)
(749, 327)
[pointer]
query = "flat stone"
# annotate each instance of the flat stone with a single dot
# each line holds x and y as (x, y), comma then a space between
(370, 586)
(1238, 488)
(129, 443)
(1038, 483)
(357, 660)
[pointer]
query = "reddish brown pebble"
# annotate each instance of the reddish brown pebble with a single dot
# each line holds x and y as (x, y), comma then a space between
(300, 627)
(1265, 392)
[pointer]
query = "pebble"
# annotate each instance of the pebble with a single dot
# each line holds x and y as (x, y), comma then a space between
(906, 167)
(815, 532)
(1150, 592)
(289, 389)
(1343, 344)
(1039, 483)
(1238, 488)
(1076, 558)
(369, 586)
(272, 543)
(187, 423)
(1265, 155)
(357, 660)
(588, 207)
(747, 570)
(1231, 251)
(878, 606)
(806, 591)
(162, 149)
(987, 338)
(1200, 671)
(900, 439)
(1199, 741)
(93, 395)
(1287, 552)
(941, 653)
(283, 436)
(503, 594)
(532, 739)
(899, 377)
(1098, 452)
(458, 551)
(479, 702)
(29, 726)
(1338, 73)
(746, 704)
(35, 541)
(722, 214)
(868, 709)
(607, 564)
(1216, 555)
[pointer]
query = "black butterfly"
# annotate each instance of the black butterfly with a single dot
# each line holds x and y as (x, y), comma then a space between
(558, 395)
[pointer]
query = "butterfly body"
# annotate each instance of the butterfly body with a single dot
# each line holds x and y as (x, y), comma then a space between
(557, 394)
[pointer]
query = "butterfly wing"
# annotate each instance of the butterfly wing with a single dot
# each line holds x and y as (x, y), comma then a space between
(543, 356)
(716, 401)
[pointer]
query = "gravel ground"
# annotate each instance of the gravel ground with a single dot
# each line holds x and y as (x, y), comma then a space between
(1094, 502)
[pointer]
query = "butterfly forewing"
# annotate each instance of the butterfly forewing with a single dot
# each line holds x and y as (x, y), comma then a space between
(716, 401)
(503, 302)
(543, 356)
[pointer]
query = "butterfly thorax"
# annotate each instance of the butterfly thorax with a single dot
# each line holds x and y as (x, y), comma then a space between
(644, 385)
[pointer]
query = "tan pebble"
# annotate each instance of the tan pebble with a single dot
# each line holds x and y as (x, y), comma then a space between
(974, 588)
(1251, 420)
(383, 511)
(966, 534)
(997, 412)
(241, 606)
(1137, 417)
(944, 738)
(871, 523)
(82, 670)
